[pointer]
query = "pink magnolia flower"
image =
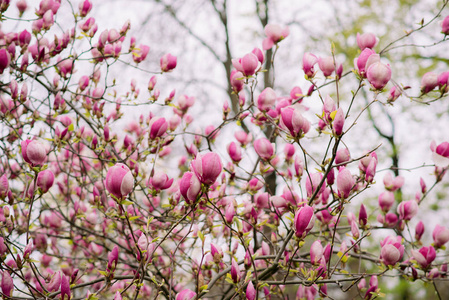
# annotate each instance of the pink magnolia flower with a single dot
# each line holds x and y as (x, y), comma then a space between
(250, 291)
(429, 81)
(393, 184)
(207, 167)
(342, 156)
(419, 230)
(168, 62)
(392, 250)
(259, 54)
(33, 152)
(339, 122)
(243, 138)
(395, 92)
(424, 256)
(140, 54)
(45, 180)
(367, 40)
(235, 152)
(445, 26)
(362, 62)
(264, 148)
(275, 34)
(4, 186)
(440, 154)
(158, 126)
(326, 65)
(308, 61)
(312, 183)
(247, 65)
(304, 221)
(237, 81)
(293, 120)
(345, 182)
(266, 99)
(440, 236)
(186, 295)
(113, 259)
(386, 201)
(5, 59)
(189, 187)
(378, 75)
(407, 209)
(119, 180)
(316, 252)
(85, 7)
(7, 284)
(159, 181)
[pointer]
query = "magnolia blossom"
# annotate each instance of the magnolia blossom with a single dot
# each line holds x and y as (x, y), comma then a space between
(119, 180)
(275, 34)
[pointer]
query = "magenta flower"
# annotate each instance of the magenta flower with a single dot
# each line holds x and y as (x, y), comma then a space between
(159, 181)
(326, 65)
(316, 253)
(207, 167)
(5, 59)
(85, 7)
(119, 181)
(304, 221)
(339, 122)
(362, 61)
(407, 209)
(312, 183)
(308, 61)
(266, 99)
(237, 81)
(392, 250)
(264, 148)
(45, 180)
(248, 64)
(189, 187)
(4, 186)
(250, 291)
(186, 295)
(141, 53)
(345, 182)
(386, 201)
(424, 256)
(378, 75)
(235, 152)
(7, 284)
(440, 154)
(168, 62)
(113, 259)
(445, 26)
(158, 126)
(366, 40)
(33, 152)
(294, 121)
(429, 81)
(440, 236)
(275, 34)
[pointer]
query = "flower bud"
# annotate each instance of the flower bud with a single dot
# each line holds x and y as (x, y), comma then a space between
(159, 181)
(207, 167)
(345, 182)
(274, 34)
(308, 61)
(440, 236)
(293, 120)
(304, 221)
(419, 230)
(424, 256)
(248, 64)
(189, 187)
(7, 284)
(326, 65)
(407, 210)
(119, 181)
(266, 99)
(234, 152)
(378, 75)
(429, 81)
(445, 26)
(366, 40)
(4, 186)
(264, 148)
(168, 62)
(45, 180)
(386, 201)
(113, 259)
(85, 7)
(316, 253)
(33, 152)
(338, 123)
(186, 295)
(250, 291)
(158, 126)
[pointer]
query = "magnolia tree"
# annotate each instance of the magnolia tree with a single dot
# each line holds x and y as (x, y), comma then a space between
(99, 205)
